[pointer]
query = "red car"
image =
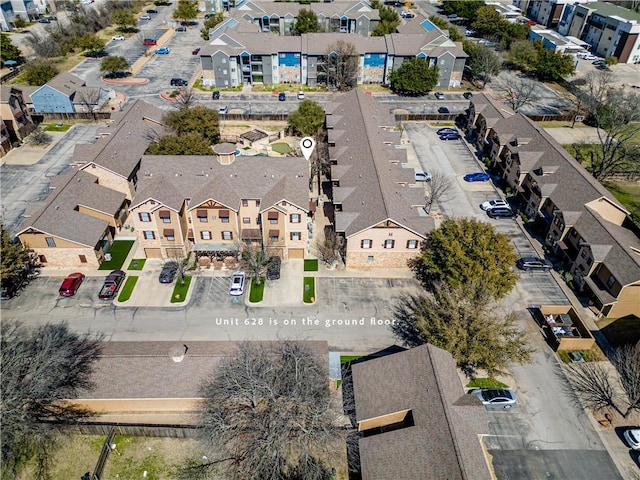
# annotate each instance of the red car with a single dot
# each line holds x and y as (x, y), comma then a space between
(71, 284)
(148, 42)
(196, 51)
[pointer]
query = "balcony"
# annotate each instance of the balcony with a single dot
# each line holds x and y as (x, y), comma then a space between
(569, 250)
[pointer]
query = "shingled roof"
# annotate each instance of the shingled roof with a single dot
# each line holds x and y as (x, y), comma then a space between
(443, 438)
(377, 188)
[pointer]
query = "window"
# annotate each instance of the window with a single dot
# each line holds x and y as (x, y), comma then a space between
(257, 203)
(224, 216)
(205, 235)
(365, 243)
(389, 243)
(273, 218)
(274, 235)
(412, 243)
(259, 220)
(611, 281)
(227, 236)
(169, 234)
(50, 242)
(144, 217)
(202, 215)
(245, 203)
(246, 220)
(165, 216)
(83, 258)
(370, 259)
(295, 236)
(149, 235)
(294, 218)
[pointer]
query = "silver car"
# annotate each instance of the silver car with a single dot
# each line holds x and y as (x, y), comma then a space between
(237, 284)
(632, 436)
(496, 397)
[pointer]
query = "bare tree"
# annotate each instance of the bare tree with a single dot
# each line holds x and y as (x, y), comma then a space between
(615, 113)
(89, 97)
(41, 368)
(39, 137)
(186, 99)
(339, 66)
(440, 188)
(177, 255)
(597, 386)
(328, 248)
(518, 92)
(254, 261)
(268, 414)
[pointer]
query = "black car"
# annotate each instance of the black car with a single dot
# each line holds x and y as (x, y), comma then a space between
(443, 110)
(501, 212)
(181, 29)
(534, 263)
(446, 131)
(215, 95)
(273, 268)
(282, 96)
(450, 136)
(179, 82)
(467, 95)
(152, 10)
(168, 272)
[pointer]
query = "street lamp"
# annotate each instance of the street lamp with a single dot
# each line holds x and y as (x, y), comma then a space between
(424, 108)
(249, 109)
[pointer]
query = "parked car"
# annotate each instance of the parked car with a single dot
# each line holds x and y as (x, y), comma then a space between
(599, 62)
(445, 130)
(467, 95)
(216, 96)
(44, 20)
(439, 95)
(145, 17)
(406, 14)
(149, 42)
(223, 110)
(168, 272)
(501, 212)
(632, 436)
(152, 10)
(534, 263)
(496, 397)
(421, 176)
(477, 177)
(469, 32)
(282, 97)
(70, 285)
(452, 16)
(163, 51)
(498, 202)
(300, 95)
(179, 82)
(450, 136)
(181, 29)
(111, 285)
(196, 51)
(237, 284)
(273, 268)
(118, 37)
(443, 110)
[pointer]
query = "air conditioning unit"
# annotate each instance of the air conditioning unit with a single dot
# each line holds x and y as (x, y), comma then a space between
(107, 257)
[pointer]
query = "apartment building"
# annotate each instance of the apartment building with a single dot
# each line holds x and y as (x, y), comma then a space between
(16, 119)
(581, 222)
(546, 12)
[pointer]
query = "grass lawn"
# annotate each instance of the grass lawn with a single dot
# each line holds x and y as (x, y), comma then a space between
(119, 251)
(594, 354)
(485, 383)
(180, 291)
(620, 331)
(136, 264)
(309, 293)
(348, 358)
(56, 127)
(282, 148)
(311, 265)
(628, 195)
(257, 290)
(127, 289)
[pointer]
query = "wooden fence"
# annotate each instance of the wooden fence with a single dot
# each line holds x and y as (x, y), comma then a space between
(50, 117)
(134, 429)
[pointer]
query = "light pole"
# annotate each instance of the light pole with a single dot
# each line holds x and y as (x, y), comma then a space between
(424, 108)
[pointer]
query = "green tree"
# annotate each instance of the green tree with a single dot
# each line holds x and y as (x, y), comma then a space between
(8, 51)
(92, 43)
(210, 23)
(186, 10)
(462, 8)
(488, 21)
(523, 54)
(308, 119)
(552, 65)
(14, 258)
(123, 18)
(307, 22)
(464, 322)
(389, 21)
(112, 64)
(40, 72)
(189, 144)
(254, 261)
(483, 62)
(413, 77)
(467, 251)
(199, 119)
(41, 368)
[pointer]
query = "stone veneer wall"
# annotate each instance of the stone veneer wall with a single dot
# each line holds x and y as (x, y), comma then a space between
(381, 259)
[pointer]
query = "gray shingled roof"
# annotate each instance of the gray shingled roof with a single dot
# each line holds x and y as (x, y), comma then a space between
(444, 439)
(66, 83)
(58, 217)
(327, 9)
(147, 370)
(171, 179)
(370, 191)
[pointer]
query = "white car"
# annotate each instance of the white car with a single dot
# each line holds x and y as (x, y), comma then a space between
(223, 110)
(117, 37)
(145, 17)
(237, 284)
(496, 397)
(632, 436)
(300, 95)
(421, 176)
(590, 57)
(498, 202)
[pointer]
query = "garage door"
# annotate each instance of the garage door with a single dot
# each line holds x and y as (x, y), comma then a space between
(153, 252)
(296, 253)
(175, 253)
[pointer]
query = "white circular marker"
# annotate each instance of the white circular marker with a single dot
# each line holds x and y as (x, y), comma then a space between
(307, 144)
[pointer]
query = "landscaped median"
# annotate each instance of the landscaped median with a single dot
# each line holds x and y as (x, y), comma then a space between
(181, 290)
(257, 290)
(127, 289)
